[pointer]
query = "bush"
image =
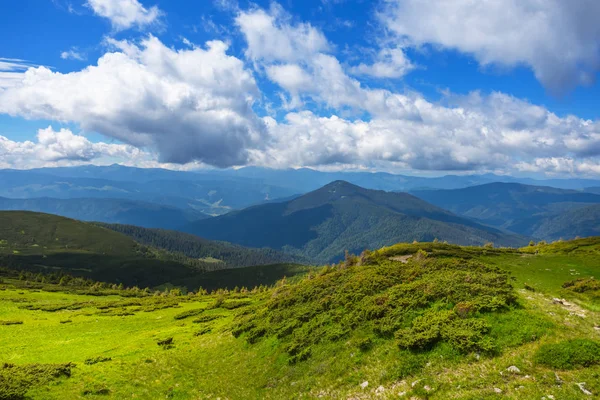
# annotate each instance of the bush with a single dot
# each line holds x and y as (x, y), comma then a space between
(207, 318)
(189, 313)
(16, 380)
(582, 285)
(203, 331)
(11, 322)
(166, 343)
(96, 360)
(569, 354)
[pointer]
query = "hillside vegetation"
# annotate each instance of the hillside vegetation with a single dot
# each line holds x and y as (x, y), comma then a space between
(49, 243)
(323, 224)
(231, 255)
(414, 321)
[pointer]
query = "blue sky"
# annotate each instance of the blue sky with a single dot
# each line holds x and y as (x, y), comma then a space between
(417, 86)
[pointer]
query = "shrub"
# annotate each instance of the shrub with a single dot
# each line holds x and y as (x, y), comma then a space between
(207, 318)
(166, 343)
(231, 305)
(203, 331)
(189, 313)
(569, 354)
(11, 322)
(16, 380)
(583, 285)
(96, 360)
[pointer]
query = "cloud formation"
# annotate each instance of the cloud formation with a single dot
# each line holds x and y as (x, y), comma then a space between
(192, 104)
(559, 40)
(63, 147)
(124, 14)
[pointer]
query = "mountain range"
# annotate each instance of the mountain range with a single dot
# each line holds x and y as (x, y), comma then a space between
(538, 211)
(323, 224)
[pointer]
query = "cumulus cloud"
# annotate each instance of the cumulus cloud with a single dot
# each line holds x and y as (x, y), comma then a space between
(123, 14)
(62, 147)
(473, 132)
(272, 37)
(559, 40)
(192, 104)
(389, 63)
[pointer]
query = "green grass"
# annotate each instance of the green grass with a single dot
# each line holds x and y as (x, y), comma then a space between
(112, 340)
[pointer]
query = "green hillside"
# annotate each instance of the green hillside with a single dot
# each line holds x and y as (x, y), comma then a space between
(584, 221)
(416, 321)
(323, 224)
(227, 255)
(538, 211)
(49, 243)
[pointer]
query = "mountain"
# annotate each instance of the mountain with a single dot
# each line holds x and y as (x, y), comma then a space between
(50, 243)
(519, 208)
(227, 254)
(208, 193)
(579, 222)
(340, 216)
(121, 211)
(595, 190)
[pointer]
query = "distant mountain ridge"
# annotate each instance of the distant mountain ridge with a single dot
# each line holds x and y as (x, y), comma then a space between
(523, 209)
(149, 215)
(341, 216)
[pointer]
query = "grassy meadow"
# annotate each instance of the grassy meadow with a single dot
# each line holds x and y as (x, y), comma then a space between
(415, 321)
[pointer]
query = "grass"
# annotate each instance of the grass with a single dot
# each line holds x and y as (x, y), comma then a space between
(117, 356)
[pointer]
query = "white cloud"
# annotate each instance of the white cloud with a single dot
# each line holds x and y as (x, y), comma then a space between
(11, 71)
(272, 38)
(559, 40)
(123, 14)
(472, 133)
(72, 54)
(63, 147)
(192, 104)
(389, 63)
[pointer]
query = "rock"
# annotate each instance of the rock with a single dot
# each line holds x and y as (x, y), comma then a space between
(583, 389)
(415, 383)
(513, 369)
(427, 388)
(558, 380)
(380, 390)
(364, 384)
(550, 397)
(497, 390)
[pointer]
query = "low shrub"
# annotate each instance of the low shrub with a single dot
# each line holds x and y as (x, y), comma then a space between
(11, 322)
(189, 313)
(166, 343)
(16, 380)
(231, 305)
(203, 331)
(583, 285)
(96, 360)
(207, 318)
(569, 354)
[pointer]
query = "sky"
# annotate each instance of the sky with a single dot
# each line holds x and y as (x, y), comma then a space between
(424, 87)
